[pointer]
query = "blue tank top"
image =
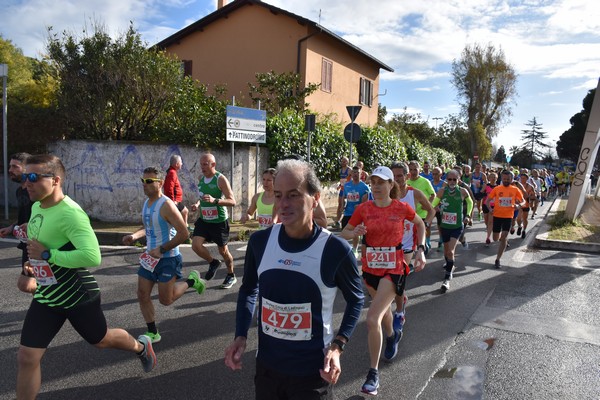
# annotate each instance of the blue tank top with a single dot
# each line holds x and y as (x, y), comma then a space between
(158, 230)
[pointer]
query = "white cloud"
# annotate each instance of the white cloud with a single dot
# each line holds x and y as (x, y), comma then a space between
(428, 89)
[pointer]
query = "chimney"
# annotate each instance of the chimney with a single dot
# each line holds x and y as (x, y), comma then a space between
(221, 4)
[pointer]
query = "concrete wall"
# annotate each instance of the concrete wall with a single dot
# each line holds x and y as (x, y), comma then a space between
(104, 177)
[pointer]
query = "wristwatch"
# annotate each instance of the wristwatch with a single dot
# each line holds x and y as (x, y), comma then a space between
(426, 224)
(421, 247)
(216, 201)
(339, 344)
(162, 250)
(46, 255)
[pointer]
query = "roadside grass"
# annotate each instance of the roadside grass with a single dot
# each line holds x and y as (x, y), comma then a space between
(562, 228)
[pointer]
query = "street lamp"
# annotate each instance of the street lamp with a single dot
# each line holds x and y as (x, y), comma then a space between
(4, 75)
(436, 121)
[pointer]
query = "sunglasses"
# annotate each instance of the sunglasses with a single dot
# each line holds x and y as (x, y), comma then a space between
(148, 181)
(33, 177)
(452, 179)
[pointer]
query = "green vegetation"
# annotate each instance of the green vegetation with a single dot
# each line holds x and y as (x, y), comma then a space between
(563, 228)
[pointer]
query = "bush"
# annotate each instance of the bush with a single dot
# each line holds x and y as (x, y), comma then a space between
(378, 145)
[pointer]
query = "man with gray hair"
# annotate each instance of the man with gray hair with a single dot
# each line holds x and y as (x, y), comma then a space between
(294, 269)
(172, 188)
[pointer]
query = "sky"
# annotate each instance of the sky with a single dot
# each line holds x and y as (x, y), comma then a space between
(554, 45)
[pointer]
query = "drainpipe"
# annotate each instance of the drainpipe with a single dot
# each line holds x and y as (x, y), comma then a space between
(300, 47)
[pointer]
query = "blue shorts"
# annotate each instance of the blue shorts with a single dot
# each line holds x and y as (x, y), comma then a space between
(165, 270)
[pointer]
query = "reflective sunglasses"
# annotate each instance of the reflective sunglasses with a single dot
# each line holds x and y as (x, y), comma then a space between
(33, 177)
(148, 181)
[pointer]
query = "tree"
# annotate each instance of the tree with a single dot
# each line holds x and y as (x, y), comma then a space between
(486, 85)
(111, 89)
(500, 155)
(33, 120)
(533, 140)
(278, 92)
(569, 143)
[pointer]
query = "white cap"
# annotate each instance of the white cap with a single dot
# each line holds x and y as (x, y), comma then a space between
(384, 173)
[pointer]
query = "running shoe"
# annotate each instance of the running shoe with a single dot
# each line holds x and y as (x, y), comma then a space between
(487, 242)
(391, 346)
(512, 231)
(445, 286)
(519, 231)
(212, 269)
(523, 234)
(497, 264)
(229, 281)
(154, 337)
(148, 358)
(372, 383)
(199, 283)
(465, 244)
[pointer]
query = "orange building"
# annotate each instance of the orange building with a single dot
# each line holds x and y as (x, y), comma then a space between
(245, 37)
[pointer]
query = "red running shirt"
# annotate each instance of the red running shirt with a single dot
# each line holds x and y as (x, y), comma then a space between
(385, 227)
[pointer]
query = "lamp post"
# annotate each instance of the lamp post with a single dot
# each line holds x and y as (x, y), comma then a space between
(436, 121)
(4, 75)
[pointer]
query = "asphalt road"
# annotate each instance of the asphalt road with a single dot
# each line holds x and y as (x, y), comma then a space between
(528, 331)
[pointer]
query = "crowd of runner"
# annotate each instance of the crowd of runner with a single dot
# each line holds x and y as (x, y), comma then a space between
(292, 269)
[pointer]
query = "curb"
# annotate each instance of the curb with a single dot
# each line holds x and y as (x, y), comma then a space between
(541, 239)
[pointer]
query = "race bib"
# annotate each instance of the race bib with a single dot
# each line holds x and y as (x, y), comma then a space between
(449, 218)
(505, 202)
(286, 321)
(353, 197)
(381, 257)
(43, 273)
(210, 213)
(407, 226)
(148, 262)
(20, 234)
(265, 221)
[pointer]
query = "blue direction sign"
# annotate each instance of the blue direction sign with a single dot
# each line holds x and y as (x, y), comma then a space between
(246, 125)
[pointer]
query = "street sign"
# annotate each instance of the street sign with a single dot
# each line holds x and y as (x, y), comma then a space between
(246, 125)
(352, 132)
(309, 122)
(353, 112)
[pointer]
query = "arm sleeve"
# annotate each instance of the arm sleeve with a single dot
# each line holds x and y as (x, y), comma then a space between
(81, 235)
(469, 201)
(246, 302)
(347, 279)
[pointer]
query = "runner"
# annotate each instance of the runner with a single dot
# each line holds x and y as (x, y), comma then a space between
(61, 246)
(381, 221)
(212, 224)
(412, 197)
(172, 187)
(16, 167)
(562, 180)
(478, 182)
(437, 184)
(528, 192)
(454, 219)
(487, 209)
(506, 198)
(161, 263)
(424, 185)
(295, 269)
(345, 172)
(263, 202)
(536, 182)
(355, 192)
(426, 173)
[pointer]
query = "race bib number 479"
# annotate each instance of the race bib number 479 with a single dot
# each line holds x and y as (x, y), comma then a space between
(286, 321)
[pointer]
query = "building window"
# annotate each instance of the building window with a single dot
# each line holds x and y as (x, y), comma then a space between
(326, 73)
(366, 92)
(186, 67)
